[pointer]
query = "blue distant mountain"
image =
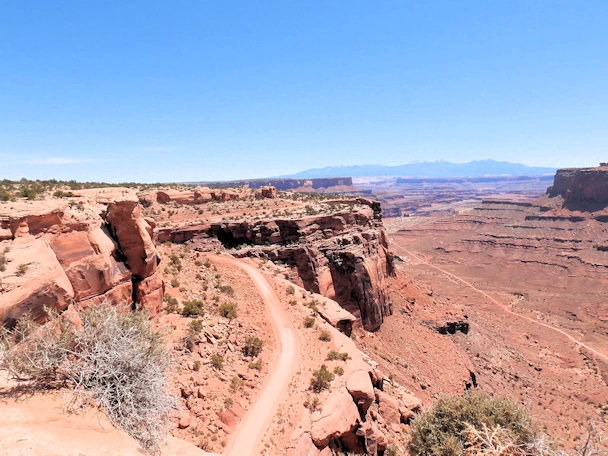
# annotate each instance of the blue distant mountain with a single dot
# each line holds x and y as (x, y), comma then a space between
(440, 169)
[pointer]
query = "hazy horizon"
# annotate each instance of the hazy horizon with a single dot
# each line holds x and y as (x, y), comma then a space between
(183, 91)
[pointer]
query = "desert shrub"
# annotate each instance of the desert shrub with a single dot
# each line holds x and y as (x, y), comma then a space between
(5, 195)
(194, 308)
(293, 302)
(312, 403)
(194, 328)
(116, 360)
(175, 283)
(291, 290)
(391, 451)
(253, 346)
(228, 402)
(198, 263)
(217, 361)
(236, 383)
(62, 194)
(446, 429)
(21, 270)
(333, 355)
(339, 370)
(196, 366)
(309, 322)
(256, 365)
(228, 310)
(321, 379)
(325, 335)
(3, 262)
(171, 304)
(226, 289)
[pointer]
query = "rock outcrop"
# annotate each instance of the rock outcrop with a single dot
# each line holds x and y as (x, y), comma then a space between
(201, 195)
(343, 256)
(581, 184)
(94, 248)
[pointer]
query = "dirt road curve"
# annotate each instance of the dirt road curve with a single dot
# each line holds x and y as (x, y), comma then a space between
(250, 432)
(503, 307)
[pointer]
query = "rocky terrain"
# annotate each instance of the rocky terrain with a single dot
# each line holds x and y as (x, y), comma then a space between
(294, 316)
(92, 248)
(531, 277)
(326, 185)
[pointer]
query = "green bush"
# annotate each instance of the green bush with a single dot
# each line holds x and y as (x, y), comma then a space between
(321, 379)
(194, 328)
(226, 289)
(253, 346)
(21, 270)
(228, 310)
(256, 365)
(442, 430)
(194, 308)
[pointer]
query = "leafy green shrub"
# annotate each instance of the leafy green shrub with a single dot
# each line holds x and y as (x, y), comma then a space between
(253, 346)
(325, 335)
(194, 308)
(217, 361)
(228, 310)
(321, 379)
(442, 430)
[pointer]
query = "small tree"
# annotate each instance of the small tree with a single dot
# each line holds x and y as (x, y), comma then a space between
(321, 379)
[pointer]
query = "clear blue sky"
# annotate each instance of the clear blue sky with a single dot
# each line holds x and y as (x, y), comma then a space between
(203, 90)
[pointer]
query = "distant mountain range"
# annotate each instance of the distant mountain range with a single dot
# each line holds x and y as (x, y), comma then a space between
(427, 169)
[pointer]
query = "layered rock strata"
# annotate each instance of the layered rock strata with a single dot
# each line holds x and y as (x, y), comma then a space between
(343, 256)
(84, 251)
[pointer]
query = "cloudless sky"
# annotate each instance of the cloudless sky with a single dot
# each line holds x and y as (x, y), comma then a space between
(209, 90)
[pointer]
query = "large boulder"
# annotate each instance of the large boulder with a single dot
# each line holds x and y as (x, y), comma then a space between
(388, 407)
(338, 417)
(360, 387)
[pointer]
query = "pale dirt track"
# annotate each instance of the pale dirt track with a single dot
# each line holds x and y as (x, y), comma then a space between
(250, 432)
(501, 306)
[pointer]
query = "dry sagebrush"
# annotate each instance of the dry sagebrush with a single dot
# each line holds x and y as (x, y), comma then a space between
(114, 359)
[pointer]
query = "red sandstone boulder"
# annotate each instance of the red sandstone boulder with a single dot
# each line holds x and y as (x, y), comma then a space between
(388, 407)
(338, 417)
(360, 387)
(375, 441)
(266, 192)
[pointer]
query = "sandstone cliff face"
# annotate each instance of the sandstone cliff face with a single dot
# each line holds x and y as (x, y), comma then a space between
(343, 256)
(581, 184)
(58, 252)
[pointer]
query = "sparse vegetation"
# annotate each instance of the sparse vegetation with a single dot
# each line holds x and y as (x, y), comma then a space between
(472, 424)
(291, 290)
(309, 322)
(256, 365)
(194, 308)
(312, 403)
(334, 356)
(339, 370)
(253, 346)
(21, 270)
(3, 262)
(171, 304)
(196, 366)
(217, 361)
(236, 383)
(325, 335)
(321, 379)
(228, 310)
(115, 359)
(194, 328)
(227, 289)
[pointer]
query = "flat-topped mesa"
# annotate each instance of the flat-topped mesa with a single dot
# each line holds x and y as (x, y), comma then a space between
(201, 195)
(92, 248)
(581, 184)
(343, 255)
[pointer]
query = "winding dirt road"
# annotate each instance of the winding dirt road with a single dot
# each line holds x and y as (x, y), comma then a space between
(503, 307)
(250, 432)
